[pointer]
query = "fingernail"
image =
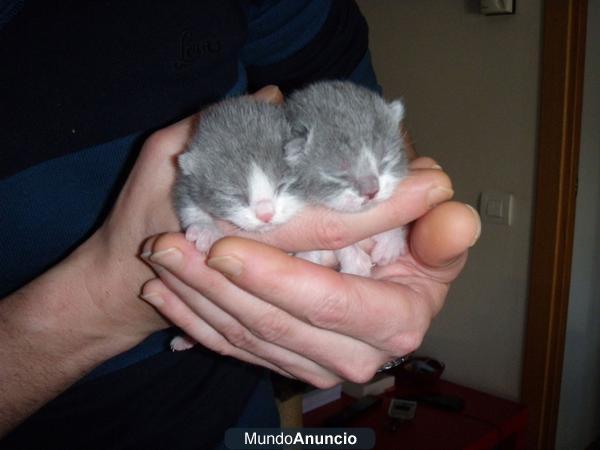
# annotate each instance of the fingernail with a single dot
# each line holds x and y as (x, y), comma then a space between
(146, 255)
(227, 265)
(438, 194)
(170, 258)
(478, 221)
(437, 166)
(153, 298)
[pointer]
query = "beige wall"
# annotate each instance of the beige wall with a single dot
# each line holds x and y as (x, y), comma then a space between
(470, 84)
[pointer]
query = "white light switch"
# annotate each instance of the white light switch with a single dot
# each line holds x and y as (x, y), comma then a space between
(496, 207)
(493, 7)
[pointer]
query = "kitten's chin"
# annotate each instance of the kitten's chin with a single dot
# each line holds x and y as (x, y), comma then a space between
(264, 228)
(346, 203)
(354, 204)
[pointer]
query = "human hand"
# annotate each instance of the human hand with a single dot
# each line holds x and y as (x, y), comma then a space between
(85, 310)
(144, 208)
(254, 302)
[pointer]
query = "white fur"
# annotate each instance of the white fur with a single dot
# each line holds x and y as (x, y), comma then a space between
(367, 154)
(261, 189)
(389, 246)
(180, 343)
(387, 185)
(186, 162)
(354, 260)
(315, 256)
(203, 235)
(294, 150)
(348, 201)
(192, 214)
(397, 109)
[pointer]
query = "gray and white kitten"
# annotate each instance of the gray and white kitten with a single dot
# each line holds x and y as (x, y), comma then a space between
(348, 154)
(233, 169)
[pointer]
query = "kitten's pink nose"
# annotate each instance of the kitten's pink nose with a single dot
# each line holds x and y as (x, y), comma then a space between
(264, 210)
(368, 186)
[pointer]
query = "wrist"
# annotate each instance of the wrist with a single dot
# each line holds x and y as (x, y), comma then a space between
(112, 276)
(58, 313)
(50, 337)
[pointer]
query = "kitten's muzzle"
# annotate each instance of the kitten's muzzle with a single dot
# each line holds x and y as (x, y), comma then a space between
(368, 186)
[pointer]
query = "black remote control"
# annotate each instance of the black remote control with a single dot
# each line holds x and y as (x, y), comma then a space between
(352, 411)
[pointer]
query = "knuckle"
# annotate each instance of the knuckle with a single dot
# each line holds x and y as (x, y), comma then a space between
(331, 311)
(184, 321)
(220, 346)
(424, 161)
(272, 325)
(157, 142)
(442, 179)
(359, 367)
(406, 342)
(357, 373)
(239, 337)
(324, 382)
(331, 231)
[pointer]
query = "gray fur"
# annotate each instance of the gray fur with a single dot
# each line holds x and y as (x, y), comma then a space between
(332, 122)
(232, 135)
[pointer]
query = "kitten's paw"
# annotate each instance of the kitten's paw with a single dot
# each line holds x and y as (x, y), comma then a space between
(180, 343)
(313, 257)
(361, 267)
(192, 232)
(355, 261)
(389, 246)
(203, 237)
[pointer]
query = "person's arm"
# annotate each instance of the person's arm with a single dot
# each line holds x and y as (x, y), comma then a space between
(86, 309)
(59, 327)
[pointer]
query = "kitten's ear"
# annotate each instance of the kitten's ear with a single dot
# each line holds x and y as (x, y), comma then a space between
(397, 110)
(296, 148)
(186, 163)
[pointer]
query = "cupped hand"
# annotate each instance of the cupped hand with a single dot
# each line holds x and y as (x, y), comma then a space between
(112, 269)
(253, 301)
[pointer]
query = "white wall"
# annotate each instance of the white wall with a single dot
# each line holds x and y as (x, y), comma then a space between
(470, 84)
(579, 410)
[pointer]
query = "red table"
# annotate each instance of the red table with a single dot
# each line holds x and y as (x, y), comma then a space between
(486, 422)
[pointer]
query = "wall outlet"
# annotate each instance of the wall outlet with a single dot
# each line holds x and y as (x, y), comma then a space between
(496, 207)
(496, 7)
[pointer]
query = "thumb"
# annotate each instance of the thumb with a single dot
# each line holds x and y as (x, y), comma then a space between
(269, 94)
(440, 239)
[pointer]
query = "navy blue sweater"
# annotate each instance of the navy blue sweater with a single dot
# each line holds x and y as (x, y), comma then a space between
(83, 82)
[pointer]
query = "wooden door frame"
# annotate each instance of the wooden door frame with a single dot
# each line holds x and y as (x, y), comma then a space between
(561, 96)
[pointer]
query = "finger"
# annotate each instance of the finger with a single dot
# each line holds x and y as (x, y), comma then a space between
(221, 312)
(273, 329)
(146, 249)
(233, 313)
(440, 238)
(424, 162)
(321, 228)
(269, 94)
(170, 305)
(324, 298)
